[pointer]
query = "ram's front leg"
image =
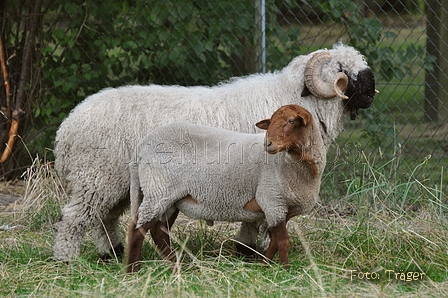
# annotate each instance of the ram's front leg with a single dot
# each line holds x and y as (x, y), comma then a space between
(279, 242)
(248, 237)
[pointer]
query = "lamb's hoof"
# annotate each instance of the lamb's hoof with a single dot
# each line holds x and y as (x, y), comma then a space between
(247, 250)
(267, 262)
(133, 268)
(119, 252)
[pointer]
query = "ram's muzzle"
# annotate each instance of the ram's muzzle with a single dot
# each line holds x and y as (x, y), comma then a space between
(360, 92)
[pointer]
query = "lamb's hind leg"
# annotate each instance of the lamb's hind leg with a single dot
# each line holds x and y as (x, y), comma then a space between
(279, 242)
(160, 234)
(135, 243)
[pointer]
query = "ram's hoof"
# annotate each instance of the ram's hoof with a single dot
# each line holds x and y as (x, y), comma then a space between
(247, 250)
(119, 252)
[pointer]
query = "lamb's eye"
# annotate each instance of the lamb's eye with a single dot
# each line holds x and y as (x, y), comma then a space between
(291, 121)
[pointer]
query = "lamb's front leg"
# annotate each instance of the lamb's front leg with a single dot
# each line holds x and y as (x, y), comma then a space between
(279, 242)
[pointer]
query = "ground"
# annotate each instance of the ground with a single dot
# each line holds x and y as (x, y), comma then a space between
(10, 192)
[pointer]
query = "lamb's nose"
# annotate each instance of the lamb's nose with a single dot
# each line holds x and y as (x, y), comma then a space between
(268, 144)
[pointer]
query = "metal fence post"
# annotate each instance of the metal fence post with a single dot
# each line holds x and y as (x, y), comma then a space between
(260, 36)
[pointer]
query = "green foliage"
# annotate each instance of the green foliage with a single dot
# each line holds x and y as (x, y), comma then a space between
(89, 45)
(380, 136)
(368, 35)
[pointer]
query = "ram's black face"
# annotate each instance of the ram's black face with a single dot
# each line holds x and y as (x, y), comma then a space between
(360, 92)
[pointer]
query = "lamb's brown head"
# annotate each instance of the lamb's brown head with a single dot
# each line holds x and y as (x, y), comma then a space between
(288, 130)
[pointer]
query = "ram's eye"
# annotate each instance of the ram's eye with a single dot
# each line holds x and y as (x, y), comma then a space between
(291, 121)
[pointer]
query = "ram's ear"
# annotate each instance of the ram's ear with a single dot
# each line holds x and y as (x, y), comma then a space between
(305, 92)
(263, 124)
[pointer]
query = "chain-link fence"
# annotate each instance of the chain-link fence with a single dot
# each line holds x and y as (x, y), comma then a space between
(85, 46)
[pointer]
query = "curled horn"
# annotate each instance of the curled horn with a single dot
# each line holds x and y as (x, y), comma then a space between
(316, 85)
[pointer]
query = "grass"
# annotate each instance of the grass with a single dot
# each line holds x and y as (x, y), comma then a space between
(381, 225)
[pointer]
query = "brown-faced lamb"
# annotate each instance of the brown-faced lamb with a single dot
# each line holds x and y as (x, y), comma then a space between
(220, 175)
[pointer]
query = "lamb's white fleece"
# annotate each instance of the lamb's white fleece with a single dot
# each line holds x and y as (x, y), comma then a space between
(222, 170)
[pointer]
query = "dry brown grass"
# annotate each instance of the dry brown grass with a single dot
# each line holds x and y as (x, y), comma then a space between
(41, 184)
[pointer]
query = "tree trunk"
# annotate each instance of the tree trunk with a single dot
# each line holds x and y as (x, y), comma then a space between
(432, 84)
(14, 107)
(443, 63)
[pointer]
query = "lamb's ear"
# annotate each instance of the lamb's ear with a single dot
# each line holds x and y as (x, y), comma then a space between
(264, 124)
(306, 117)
